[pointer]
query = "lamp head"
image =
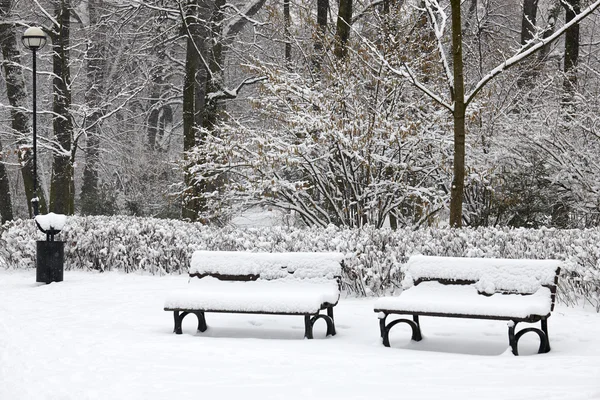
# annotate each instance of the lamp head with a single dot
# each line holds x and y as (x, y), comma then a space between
(34, 38)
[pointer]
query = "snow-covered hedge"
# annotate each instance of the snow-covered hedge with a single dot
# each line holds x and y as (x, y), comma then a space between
(165, 246)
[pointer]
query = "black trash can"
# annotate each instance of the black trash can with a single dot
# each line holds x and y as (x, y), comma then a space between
(49, 262)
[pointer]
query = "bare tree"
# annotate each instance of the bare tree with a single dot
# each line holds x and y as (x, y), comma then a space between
(458, 99)
(17, 97)
(62, 190)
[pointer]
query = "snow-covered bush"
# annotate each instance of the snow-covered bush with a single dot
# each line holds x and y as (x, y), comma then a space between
(165, 246)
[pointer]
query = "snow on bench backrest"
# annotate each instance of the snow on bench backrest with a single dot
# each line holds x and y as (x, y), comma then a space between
(490, 275)
(242, 265)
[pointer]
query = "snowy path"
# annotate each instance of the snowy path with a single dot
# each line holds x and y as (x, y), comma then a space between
(105, 336)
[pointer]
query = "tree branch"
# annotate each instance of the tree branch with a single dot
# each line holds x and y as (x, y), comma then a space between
(528, 50)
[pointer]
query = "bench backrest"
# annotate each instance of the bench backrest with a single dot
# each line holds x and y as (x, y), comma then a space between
(489, 275)
(248, 266)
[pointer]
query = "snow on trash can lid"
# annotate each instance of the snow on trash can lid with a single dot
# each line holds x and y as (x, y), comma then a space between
(51, 222)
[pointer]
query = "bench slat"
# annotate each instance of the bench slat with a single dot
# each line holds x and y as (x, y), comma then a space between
(278, 297)
(301, 265)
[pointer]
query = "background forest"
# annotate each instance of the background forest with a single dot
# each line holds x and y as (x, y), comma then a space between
(349, 112)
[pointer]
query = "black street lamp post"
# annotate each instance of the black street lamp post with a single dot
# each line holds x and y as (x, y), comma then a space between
(50, 253)
(34, 39)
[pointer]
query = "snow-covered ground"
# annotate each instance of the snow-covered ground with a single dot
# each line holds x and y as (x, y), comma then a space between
(105, 336)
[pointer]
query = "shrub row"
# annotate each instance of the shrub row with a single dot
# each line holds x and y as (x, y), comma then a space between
(159, 246)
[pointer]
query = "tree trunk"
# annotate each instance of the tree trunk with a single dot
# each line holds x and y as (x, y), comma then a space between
(155, 100)
(561, 211)
(63, 186)
(458, 181)
(96, 60)
(528, 20)
(287, 22)
(319, 45)
(528, 27)
(206, 47)
(6, 213)
(194, 93)
(344, 21)
(572, 8)
(215, 79)
(553, 14)
(17, 98)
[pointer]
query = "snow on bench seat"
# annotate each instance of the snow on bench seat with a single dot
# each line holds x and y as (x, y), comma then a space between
(492, 274)
(299, 283)
(286, 296)
(302, 265)
(434, 297)
(504, 289)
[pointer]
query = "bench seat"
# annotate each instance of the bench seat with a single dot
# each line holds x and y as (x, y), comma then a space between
(293, 296)
(434, 298)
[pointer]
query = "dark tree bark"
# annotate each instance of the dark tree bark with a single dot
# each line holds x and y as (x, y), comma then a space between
(215, 75)
(322, 11)
(528, 20)
(528, 27)
(561, 210)
(207, 44)
(194, 93)
(287, 22)
(95, 65)
(17, 97)
(6, 213)
(458, 181)
(343, 28)
(572, 8)
(63, 186)
(319, 46)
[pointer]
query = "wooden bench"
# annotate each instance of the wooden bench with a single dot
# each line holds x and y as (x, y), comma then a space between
(260, 283)
(499, 289)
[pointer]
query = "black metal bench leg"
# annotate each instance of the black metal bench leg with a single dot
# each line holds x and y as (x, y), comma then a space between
(513, 338)
(417, 337)
(512, 341)
(309, 322)
(201, 321)
(330, 315)
(177, 317)
(545, 330)
(414, 325)
(382, 319)
(308, 331)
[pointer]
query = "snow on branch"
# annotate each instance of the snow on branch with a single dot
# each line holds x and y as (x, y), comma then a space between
(528, 50)
(439, 29)
(243, 17)
(46, 13)
(227, 94)
(366, 9)
(405, 72)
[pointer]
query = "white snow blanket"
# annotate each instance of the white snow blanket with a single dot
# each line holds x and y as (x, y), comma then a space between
(51, 221)
(286, 296)
(503, 282)
(434, 297)
(491, 274)
(302, 265)
(289, 283)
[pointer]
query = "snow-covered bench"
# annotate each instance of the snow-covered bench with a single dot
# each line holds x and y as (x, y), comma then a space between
(501, 289)
(260, 283)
